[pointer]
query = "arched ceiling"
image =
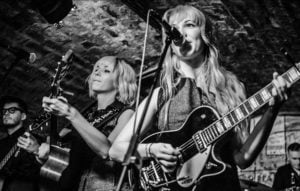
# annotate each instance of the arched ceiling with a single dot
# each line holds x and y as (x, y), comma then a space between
(249, 34)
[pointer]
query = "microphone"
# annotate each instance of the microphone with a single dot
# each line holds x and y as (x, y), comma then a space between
(289, 58)
(177, 38)
(287, 55)
(22, 54)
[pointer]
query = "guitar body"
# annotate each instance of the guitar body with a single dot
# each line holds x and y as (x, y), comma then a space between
(197, 165)
(57, 162)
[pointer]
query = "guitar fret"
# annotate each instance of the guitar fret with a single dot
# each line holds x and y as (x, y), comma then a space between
(226, 122)
(288, 77)
(208, 135)
(231, 118)
(266, 94)
(248, 106)
(203, 138)
(206, 139)
(212, 136)
(243, 109)
(259, 99)
(239, 114)
(253, 103)
(220, 127)
(293, 73)
(233, 115)
(217, 129)
(214, 131)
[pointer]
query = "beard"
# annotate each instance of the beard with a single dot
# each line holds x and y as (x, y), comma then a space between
(9, 126)
(9, 123)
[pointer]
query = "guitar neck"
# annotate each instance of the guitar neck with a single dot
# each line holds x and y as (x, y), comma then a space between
(10, 153)
(241, 112)
(53, 130)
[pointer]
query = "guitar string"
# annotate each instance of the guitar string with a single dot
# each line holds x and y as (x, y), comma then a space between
(189, 143)
(183, 147)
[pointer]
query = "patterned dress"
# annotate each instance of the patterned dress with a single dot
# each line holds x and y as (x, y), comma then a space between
(86, 170)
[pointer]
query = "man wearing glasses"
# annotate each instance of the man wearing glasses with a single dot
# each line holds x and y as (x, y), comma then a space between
(18, 168)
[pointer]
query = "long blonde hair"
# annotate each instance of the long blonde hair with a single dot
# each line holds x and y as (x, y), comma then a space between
(222, 87)
(125, 81)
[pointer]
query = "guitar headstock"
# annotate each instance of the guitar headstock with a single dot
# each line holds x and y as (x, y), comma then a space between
(61, 70)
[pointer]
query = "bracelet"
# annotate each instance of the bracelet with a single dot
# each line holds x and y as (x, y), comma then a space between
(149, 150)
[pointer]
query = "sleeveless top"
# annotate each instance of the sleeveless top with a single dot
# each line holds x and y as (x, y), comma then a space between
(187, 97)
(103, 174)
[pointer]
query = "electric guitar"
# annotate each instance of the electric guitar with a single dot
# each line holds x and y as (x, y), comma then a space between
(58, 158)
(38, 124)
(198, 138)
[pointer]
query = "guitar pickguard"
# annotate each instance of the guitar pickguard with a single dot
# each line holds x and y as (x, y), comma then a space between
(197, 164)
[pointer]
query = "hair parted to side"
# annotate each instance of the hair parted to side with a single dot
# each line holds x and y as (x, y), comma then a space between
(125, 79)
(294, 147)
(126, 82)
(222, 87)
(12, 99)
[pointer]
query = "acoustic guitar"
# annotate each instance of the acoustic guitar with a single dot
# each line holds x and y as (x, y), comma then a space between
(58, 158)
(198, 138)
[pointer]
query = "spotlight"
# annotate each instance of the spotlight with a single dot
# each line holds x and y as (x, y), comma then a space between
(53, 10)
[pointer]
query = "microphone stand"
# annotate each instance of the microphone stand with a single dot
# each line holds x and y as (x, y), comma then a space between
(129, 156)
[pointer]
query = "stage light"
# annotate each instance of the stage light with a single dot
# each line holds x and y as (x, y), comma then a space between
(53, 10)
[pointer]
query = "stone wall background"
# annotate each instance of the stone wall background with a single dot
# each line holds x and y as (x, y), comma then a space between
(286, 130)
(249, 34)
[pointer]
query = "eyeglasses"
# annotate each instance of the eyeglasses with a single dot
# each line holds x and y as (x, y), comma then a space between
(11, 110)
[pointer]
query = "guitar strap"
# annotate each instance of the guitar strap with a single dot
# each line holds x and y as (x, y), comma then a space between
(107, 117)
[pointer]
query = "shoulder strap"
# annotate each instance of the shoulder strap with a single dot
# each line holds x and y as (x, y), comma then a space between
(111, 114)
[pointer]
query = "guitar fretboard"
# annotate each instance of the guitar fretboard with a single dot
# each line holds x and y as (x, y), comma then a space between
(8, 156)
(241, 112)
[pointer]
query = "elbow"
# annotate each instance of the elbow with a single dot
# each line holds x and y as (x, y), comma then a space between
(115, 154)
(104, 155)
(112, 154)
(103, 151)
